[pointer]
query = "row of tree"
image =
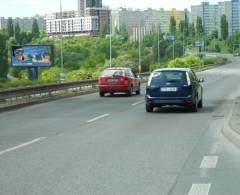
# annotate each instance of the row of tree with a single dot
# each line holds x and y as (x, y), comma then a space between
(13, 35)
(189, 29)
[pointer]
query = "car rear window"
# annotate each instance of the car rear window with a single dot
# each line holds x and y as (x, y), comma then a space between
(113, 72)
(163, 77)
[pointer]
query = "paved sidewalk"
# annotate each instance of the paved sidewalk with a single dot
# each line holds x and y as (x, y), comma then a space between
(235, 119)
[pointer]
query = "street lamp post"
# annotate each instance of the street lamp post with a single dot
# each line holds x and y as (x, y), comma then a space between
(110, 29)
(158, 46)
(139, 49)
(61, 37)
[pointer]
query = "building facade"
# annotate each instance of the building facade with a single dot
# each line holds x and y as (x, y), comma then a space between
(73, 26)
(84, 4)
(25, 23)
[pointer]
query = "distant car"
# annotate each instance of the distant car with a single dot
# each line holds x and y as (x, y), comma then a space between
(174, 86)
(115, 80)
(236, 54)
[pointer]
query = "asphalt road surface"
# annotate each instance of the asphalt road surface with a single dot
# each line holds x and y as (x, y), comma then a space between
(89, 145)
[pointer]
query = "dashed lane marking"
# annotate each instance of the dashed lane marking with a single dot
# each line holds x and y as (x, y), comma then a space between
(137, 103)
(21, 145)
(200, 189)
(209, 162)
(98, 118)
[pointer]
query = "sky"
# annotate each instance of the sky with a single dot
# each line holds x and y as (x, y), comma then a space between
(26, 8)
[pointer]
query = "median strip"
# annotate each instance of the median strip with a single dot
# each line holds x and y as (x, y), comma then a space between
(98, 118)
(21, 145)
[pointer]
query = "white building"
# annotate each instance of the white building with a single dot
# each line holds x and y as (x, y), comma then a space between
(73, 26)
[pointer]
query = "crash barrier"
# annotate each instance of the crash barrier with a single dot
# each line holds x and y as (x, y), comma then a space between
(14, 98)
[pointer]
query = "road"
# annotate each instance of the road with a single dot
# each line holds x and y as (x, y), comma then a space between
(89, 145)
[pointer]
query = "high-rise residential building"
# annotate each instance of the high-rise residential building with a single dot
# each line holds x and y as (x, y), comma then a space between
(84, 4)
(25, 23)
(165, 16)
(103, 14)
(73, 26)
(225, 8)
(235, 16)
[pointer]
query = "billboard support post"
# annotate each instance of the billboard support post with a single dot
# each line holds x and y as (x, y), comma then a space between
(33, 73)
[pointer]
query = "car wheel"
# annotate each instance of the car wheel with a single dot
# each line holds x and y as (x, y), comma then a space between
(200, 104)
(101, 94)
(130, 92)
(194, 107)
(149, 108)
(138, 90)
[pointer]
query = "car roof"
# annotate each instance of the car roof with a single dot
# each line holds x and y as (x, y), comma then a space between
(173, 69)
(118, 68)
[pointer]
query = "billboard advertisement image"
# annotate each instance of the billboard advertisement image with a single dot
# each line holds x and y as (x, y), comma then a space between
(32, 56)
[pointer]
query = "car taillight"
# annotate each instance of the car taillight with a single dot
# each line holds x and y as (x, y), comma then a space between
(188, 79)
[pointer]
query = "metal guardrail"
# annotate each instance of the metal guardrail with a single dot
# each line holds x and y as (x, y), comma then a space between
(13, 98)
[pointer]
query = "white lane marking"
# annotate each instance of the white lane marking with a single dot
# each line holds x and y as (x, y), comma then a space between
(21, 145)
(199, 189)
(97, 118)
(137, 103)
(209, 162)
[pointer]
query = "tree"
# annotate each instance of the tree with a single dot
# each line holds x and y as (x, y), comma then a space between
(199, 26)
(214, 34)
(35, 29)
(17, 33)
(192, 31)
(224, 27)
(3, 56)
(103, 30)
(10, 29)
(186, 25)
(123, 32)
(182, 27)
(172, 26)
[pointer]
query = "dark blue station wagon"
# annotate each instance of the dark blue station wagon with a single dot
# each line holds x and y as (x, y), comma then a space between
(174, 86)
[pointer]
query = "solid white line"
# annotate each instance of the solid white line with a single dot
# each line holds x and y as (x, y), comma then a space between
(21, 145)
(140, 102)
(97, 118)
(209, 162)
(199, 189)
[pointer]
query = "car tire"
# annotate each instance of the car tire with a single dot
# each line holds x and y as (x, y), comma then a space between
(194, 107)
(200, 104)
(149, 108)
(138, 92)
(130, 92)
(101, 94)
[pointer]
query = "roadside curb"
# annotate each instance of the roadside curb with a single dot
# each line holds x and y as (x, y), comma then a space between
(229, 132)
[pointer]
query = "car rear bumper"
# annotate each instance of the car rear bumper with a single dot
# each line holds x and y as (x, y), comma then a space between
(163, 101)
(114, 88)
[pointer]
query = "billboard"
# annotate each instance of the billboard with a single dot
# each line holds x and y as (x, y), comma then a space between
(32, 56)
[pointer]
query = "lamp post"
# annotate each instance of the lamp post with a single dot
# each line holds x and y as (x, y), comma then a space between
(110, 29)
(62, 78)
(158, 45)
(139, 49)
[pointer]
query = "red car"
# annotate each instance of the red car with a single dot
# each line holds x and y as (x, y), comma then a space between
(118, 80)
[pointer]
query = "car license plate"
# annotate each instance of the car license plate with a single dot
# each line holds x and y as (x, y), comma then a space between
(112, 80)
(168, 89)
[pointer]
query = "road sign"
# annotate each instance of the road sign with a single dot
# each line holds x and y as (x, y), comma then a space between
(168, 37)
(199, 43)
